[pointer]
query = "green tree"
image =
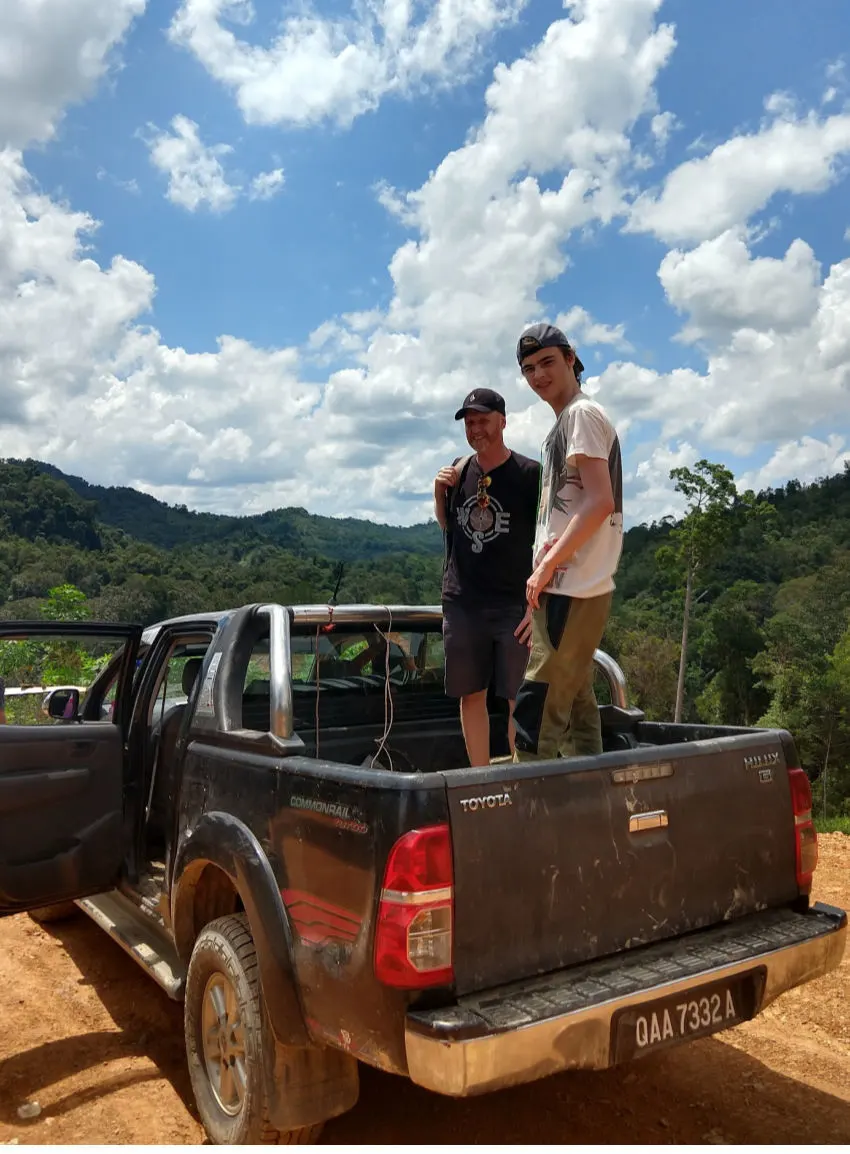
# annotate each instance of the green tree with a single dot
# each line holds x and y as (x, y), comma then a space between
(709, 490)
(804, 667)
(649, 663)
(731, 638)
(66, 603)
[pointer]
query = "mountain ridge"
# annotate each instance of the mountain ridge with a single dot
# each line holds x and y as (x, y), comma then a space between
(293, 528)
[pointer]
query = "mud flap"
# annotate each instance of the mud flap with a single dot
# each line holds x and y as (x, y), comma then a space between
(306, 1085)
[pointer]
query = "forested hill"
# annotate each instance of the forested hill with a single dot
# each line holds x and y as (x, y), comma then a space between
(306, 534)
(770, 628)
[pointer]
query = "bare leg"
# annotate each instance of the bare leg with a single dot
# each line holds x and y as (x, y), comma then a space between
(476, 727)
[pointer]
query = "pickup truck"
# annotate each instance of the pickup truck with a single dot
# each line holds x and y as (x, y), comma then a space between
(269, 809)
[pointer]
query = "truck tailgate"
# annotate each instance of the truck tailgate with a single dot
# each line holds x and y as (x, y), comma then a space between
(560, 862)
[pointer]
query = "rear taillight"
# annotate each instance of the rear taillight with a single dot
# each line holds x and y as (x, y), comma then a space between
(413, 940)
(805, 835)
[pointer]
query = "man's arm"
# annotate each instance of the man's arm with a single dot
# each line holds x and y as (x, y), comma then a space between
(598, 504)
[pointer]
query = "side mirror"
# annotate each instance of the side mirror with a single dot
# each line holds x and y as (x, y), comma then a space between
(62, 704)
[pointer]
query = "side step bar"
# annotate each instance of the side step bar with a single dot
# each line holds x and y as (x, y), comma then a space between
(136, 935)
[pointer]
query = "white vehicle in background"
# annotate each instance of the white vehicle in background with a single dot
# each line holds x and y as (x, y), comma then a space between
(45, 692)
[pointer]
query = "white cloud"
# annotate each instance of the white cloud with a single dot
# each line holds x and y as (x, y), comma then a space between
(807, 460)
(104, 394)
(489, 237)
(239, 428)
(724, 289)
(369, 441)
(195, 173)
(705, 197)
(651, 493)
(582, 329)
(835, 75)
(131, 185)
(662, 126)
(266, 185)
(53, 53)
(765, 382)
(782, 104)
(337, 68)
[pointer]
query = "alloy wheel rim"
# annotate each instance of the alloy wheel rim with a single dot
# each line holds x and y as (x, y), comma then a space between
(223, 1036)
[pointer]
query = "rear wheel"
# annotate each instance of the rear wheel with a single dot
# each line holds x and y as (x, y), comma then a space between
(224, 1038)
(54, 913)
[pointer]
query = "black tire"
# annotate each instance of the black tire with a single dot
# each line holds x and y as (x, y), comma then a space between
(55, 913)
(224, 954)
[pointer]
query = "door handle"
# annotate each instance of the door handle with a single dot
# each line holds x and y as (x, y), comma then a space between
(82, 748)
(655, 819)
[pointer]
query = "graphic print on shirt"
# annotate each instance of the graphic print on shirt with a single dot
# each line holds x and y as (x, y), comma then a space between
(482, 525)
(562, 483)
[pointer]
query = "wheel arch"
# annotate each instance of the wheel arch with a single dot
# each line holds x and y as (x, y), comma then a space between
(219, 845)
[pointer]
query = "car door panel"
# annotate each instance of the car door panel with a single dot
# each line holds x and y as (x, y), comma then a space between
(62, 796)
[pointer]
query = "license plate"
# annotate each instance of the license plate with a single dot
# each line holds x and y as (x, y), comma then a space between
(651, 1026)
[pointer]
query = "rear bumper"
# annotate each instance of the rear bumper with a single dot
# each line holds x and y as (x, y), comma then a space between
(564, 1021)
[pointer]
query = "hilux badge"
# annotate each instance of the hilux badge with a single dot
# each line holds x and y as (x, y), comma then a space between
(761, 760)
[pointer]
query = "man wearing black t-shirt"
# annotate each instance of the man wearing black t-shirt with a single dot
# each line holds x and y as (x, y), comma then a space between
(487, 506)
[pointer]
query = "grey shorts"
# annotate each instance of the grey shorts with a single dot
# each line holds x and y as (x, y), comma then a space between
(481, 649)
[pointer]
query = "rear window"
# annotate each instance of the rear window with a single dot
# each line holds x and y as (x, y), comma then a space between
(367, 657)
(348, 669)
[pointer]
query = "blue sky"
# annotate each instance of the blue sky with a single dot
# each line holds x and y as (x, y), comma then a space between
(710, 140)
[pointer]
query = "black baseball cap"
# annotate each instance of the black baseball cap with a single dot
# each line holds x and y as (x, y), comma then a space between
(481, 401)
(543, 337)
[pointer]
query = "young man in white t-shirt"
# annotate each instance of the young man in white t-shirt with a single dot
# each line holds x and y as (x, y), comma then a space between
(576, 552)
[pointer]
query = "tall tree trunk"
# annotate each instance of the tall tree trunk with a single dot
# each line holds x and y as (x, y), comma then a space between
(683, 659)
(826, 768)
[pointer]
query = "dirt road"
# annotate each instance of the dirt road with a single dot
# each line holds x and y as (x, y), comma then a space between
(89, 1037)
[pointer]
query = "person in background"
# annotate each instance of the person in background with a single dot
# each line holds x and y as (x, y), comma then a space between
(2, 701)
(486, 505)
(577, 549)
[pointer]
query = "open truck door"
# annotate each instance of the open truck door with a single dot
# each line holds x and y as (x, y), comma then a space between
(62, 779)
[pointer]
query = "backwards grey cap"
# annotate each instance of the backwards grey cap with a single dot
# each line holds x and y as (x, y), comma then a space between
(543, 337)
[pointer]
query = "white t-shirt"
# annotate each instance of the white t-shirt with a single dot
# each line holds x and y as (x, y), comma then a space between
(582, 429)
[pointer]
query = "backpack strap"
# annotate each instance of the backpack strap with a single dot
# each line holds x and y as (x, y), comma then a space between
(461, 464)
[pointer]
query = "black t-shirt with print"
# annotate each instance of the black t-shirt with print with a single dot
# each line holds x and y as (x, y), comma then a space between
(490, 549)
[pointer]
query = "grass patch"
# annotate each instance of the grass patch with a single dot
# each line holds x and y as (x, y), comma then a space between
(833, 825)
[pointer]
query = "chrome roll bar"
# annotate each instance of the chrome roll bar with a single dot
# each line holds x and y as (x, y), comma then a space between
(615, 677)
(280, 680)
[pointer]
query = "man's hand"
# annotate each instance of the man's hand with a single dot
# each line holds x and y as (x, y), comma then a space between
(539, 579)
(445, 479)
(523, 630)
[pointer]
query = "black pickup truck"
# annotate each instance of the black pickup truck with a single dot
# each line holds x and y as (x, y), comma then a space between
(269, 809)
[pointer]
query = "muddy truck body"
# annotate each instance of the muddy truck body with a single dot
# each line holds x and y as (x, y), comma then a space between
(269, 809)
